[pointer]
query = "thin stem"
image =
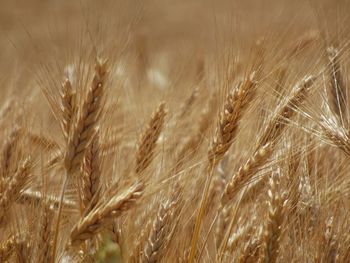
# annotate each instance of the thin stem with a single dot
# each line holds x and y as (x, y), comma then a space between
(200, 215)
(207, 236)
(60, 207)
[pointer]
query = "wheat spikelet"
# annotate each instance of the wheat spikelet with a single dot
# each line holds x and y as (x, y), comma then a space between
(92, 222)
(85, 126)
(14, 187)
(148, 139)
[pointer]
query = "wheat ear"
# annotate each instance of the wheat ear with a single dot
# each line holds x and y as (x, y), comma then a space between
(159, 235)
(82, 133)
(67, 107)
(91, 173)
(233, 110)
(44, 235)
(85, 127)
(284, 112)
(234, 107)
(245, 172)
(14, 187)
(272, 233)
(272, 132)
(91, 223)
(148, 139)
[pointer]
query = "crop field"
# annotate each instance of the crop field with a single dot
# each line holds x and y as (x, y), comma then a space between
(178, 131)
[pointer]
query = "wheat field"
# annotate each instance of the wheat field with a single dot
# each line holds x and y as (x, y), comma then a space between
(174, 131)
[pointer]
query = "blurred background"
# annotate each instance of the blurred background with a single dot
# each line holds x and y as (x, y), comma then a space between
(159, 39)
